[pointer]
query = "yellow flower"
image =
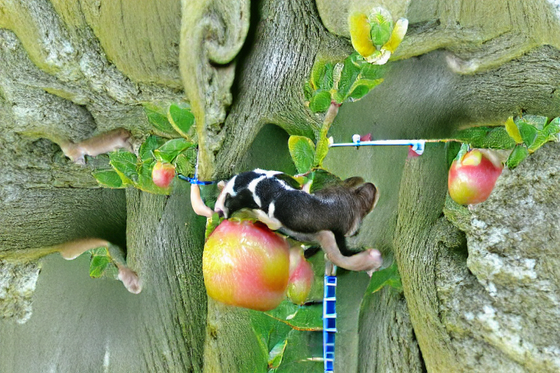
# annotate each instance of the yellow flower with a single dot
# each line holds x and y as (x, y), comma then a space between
(375, 37)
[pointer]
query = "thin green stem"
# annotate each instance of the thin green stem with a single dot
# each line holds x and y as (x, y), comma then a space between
(323, 142)
(330, 116)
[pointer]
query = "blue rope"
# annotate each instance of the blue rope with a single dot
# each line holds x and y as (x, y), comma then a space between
(194, 180)
(329, 322)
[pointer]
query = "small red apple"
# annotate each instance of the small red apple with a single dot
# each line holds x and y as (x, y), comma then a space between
(473, 176)
(163, 174)
(301, 277)
(246, 264)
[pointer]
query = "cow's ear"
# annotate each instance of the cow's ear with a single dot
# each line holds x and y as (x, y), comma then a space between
(221, 185)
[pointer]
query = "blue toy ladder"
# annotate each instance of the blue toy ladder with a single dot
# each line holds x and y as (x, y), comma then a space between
(329, 322)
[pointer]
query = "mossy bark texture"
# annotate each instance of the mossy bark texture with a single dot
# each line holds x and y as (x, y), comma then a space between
(478, 295)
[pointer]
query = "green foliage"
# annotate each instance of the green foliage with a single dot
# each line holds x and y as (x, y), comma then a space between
(290, 348)
(212, 224)
(134, 171)
(184, 162)
(486, 137)
(124, 163)
(181, 118)
(329, 86)
(169, 151)
(101, 263)
(452, 150)
(386, 277)
(306, 317)
(536, 131)
(381, 29)
(276, 355)
(345, 81)
(322, 178)
(519, 153)
(302, 151)
(175, 121)
(322, 76)
(146, 151)
(157, 116)
(357, 78)
(320, 102)
(523, 135)
(108, 179)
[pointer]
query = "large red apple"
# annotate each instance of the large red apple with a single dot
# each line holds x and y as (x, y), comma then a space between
(473, 176)
(301, 277)
(246, 264)
(162, 174)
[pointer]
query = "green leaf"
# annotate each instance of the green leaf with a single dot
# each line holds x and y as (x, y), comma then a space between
(99, 262)
(322, 75)
(306, 317)
(486, 137)
(348, 76)
(157, 117)
(276, 354)
(98, 266)
(320, 102)
(462, 151)
(185, 163)
(380, 33)
(327, 81)
(181, 118)
(108, 178)
(148, 146)
(537, 121)
(212, 224)
(527, 131)
(322, 146)
(381, 28)
(322, 178)
(302, 347)
(453, 148)
(268, 330)
(548, 133)
(371, 71)
(171, 149)
(357, 79)
(303, 353)
(386, 277)
(302, 151)
(124, 164)
(308, 91)
(519, 153)
(552, 129)
(361, 88)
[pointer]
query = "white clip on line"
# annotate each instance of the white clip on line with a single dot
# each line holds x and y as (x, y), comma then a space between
(418, 146)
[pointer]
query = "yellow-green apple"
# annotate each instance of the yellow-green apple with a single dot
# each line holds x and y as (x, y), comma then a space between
(301, 277)
(473, 176)
(162, 174)
(246, 264)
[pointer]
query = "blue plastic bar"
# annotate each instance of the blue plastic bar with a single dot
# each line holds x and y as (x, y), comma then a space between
(417, 145)
(329, 322)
